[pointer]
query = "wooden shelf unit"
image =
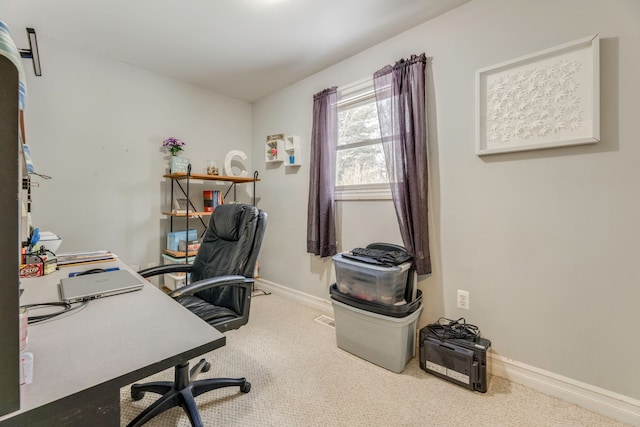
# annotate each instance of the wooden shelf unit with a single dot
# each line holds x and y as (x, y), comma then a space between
(177, 178)
(204, 177)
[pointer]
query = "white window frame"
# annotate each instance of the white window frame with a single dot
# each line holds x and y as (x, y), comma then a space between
(349, 94)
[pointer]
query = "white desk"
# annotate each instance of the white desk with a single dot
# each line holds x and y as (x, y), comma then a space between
(83, 358)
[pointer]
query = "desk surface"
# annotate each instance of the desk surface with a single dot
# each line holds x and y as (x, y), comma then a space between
(110, 343)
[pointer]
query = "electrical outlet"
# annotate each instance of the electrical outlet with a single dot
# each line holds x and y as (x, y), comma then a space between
(463, 299)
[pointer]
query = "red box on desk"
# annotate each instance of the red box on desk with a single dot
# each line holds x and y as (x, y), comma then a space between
(31, 270)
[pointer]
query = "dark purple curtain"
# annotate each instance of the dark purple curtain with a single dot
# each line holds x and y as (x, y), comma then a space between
(400, 98)
(321, 228)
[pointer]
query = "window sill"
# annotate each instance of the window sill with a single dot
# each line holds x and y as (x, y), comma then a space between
(363, 192)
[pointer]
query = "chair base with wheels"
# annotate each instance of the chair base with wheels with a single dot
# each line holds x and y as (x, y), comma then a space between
(182, 392)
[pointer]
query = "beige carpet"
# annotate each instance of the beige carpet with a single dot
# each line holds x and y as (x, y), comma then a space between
(300, 378)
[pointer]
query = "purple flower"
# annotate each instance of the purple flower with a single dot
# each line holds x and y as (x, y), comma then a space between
(174, 145)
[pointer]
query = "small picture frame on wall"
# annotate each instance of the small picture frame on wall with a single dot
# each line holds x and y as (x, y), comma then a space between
(542, 100)
(179, 164)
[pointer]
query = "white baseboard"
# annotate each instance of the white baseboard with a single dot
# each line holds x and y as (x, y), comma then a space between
(303, 298)
(592, 398)
(596, 399)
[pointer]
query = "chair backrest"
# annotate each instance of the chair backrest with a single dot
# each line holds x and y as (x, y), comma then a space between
(230, 247)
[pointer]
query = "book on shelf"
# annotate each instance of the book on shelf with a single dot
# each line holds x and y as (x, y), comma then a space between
(212, 199)
(218, 198)
(175, 237)
(191, 247)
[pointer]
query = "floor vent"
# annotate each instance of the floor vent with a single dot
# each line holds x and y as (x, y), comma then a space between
(326, 320)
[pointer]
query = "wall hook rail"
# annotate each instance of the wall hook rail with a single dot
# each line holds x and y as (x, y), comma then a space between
(32, 52)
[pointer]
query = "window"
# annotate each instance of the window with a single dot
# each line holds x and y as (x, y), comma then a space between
(361, 172)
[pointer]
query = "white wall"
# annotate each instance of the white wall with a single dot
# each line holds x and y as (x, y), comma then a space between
(96, 126)
(545, 241)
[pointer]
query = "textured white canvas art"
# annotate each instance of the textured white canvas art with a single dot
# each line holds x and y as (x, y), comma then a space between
(543, 100)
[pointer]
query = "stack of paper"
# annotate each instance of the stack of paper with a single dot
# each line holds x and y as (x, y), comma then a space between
(74, 258)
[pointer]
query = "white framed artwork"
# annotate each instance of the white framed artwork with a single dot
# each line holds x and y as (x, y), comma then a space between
(542, 100)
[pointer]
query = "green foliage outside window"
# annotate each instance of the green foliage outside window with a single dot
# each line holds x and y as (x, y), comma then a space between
(359, 158)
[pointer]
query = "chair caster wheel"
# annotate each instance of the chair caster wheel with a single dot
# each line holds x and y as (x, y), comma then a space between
(246, 387)
(137, 395)
(206, 367)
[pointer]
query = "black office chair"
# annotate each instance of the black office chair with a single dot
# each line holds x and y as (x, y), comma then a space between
(220, 293)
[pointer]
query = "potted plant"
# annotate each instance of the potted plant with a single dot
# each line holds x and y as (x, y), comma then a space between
(173, 145)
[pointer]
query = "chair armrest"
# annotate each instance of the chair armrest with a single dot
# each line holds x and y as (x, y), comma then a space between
(164, 269)
(212, 282)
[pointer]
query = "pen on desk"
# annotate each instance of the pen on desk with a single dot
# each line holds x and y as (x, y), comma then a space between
(75, 273)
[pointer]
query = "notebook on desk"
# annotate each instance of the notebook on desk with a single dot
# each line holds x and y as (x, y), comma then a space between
(92, 286)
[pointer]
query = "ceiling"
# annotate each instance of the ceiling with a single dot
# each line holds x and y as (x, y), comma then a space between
(245, 49)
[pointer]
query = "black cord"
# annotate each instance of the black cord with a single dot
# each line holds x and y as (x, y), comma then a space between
(256, 294)
(451, 329)
(91, 271)
(67, 307)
